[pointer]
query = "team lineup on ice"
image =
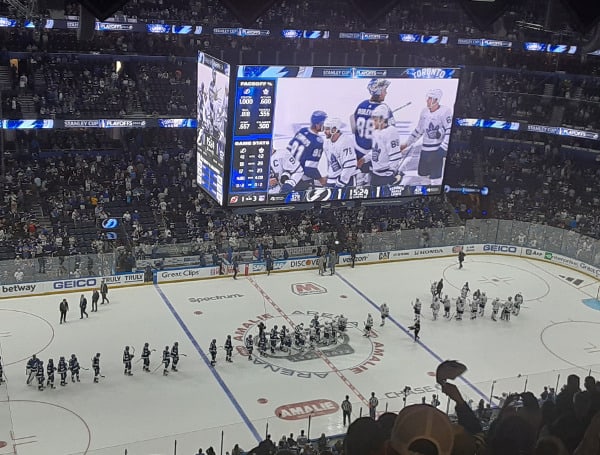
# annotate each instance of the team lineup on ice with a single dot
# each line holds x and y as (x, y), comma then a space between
(365, 146)
(264, 353)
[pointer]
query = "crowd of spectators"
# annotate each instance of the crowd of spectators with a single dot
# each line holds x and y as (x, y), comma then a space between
(567, 422)
(65, 86)
(59, 186)
(497, 84)
(536, 97)
(420, 17)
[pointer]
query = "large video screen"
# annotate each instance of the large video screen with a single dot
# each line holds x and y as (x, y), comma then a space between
(306, 134)
(212, 95)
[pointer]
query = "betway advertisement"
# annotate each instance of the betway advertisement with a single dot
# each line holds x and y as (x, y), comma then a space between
(77, 284)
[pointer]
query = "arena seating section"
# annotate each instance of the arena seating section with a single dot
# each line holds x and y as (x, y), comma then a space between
(59, 185)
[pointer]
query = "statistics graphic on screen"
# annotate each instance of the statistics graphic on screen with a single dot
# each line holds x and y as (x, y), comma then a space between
(306, 134)
(213, 93)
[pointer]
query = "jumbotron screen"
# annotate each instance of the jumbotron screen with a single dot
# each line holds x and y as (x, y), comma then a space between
(213, 98)
(306, 134)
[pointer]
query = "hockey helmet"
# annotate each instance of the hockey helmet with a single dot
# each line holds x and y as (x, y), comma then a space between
(377, 86)
(435, 93)
(382, 111)
(333, 122)
(318, 117)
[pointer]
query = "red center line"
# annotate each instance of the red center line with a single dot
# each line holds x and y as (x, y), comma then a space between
(317, 351)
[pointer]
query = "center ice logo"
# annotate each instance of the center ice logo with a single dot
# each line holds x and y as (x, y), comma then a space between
(351, 351)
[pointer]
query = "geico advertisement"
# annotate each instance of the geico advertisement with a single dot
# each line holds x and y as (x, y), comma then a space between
(46, 287)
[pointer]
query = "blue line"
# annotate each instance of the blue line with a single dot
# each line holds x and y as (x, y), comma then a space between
(217, 376)
(405, 330)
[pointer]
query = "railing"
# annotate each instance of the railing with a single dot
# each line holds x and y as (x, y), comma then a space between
(504, 232)
(57, 268)
(538, 236)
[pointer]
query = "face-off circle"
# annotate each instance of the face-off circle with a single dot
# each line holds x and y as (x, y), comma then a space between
(583, 348)
(496, 280)
(40, 434)
(16, 328)
(351, 349)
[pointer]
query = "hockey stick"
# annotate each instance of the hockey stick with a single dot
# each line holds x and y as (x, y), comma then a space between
(159, 365)
(401, 107)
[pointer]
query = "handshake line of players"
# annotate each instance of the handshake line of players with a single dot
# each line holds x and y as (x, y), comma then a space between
(283, 340)
(476, 304)
(373, 155)
(45, 376)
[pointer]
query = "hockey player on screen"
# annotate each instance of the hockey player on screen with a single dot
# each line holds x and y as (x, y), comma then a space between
(340, 154)
(276, 170)
(301, 168)
(434, 125)
(385, 156)
(361, 124)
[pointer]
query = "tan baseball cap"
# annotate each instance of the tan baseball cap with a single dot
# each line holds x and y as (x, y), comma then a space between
(423, 429)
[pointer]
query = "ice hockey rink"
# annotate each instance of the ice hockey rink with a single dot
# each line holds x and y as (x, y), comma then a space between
(556, 333)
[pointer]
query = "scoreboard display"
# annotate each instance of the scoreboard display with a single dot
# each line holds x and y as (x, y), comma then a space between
(212, 103)
(306, 134)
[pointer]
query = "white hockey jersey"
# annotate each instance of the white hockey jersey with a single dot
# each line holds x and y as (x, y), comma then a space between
(276, 169)
(385, 155)
(496, 304)
(341, 161)
(434, 127)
